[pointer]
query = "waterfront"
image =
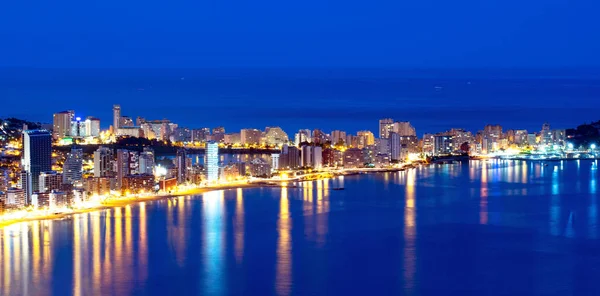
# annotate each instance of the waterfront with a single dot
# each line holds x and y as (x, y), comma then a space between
(496, 227)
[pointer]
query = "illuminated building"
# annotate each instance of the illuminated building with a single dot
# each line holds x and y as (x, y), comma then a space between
(4, 180)
(404, 129)
(367, 138)
(559, 137)
(546, 134)
(260, 168)
(532, 139)
(50, 181)
(303, 135)
(103, 162)
(369, 153)
(181, 134)
(382, 146)
(306, 156)
(78, 128)
(351, 141)
(37, 157)
(289, 158)
(73, 166)
(395, 147)
(328, 157)
(61, 126)
(353, 158)
(212, 161)
(116, 117)
(338, 137)
(381, 160)
(521, 138)
(98, 185)
(232, 139)
(409, 144)
(15, 198)
(275, 136)
(274, 161)
(317, 157)
(122, 166)
(167, 185)
(250, 136)
(92, 127)
(493, 131)
(146, 161)
(386, 126)
(138, 183)
(200, 135)
(129, 131)
(318, 136)
(218, 134)
(312, 156)
(126, 121)
(182, 168)
(230, 172)
(57, 199)
(428, 148)
(442, 145)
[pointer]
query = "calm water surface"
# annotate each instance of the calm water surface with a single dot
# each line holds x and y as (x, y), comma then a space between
(484, 228)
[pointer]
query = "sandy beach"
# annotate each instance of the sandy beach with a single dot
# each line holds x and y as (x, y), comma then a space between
(124, 201)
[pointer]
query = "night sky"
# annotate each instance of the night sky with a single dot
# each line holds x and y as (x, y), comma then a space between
(137, 39)
(309, 33)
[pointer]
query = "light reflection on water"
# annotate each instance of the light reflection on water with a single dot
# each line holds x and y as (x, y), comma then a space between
(267, 240)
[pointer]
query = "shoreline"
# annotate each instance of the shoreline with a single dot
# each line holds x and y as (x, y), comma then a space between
(124, 201)
(109, 204)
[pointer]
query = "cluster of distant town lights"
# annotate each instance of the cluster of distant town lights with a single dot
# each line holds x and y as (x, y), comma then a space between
(160, 172)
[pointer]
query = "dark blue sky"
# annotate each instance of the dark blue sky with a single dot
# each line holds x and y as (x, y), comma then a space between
(314, 33)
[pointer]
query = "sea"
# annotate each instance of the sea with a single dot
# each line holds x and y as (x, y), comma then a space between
(433, 100)
(496, 227)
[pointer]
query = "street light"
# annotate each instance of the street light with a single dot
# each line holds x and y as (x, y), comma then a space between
(570, 145)
(593, 146)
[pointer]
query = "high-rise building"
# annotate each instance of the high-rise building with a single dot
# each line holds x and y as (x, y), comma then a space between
(103, 162)
(92, 127)
(73, 166)
(78, 128)
(250, 136)
(37, 157)
(353, 158)
(428, 148)
(546, 134)
(146, 160)
(116, 117)
(404, 129)
(303, 135)
(395, 146)
(62, 124)
(338, 137)
(212, 161)
(50, 181)
(181, 166)
(218, 134)
(289, 158)
(366, 138)
(232, 139)
(274, 161)
(260, 168)
(200, 135)
(307, 156)
(559, 137)
(4, 180)
(122, 166)
(317, 158)
(386, 126)
(275, 136)
(442, 145)
(318, 136)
